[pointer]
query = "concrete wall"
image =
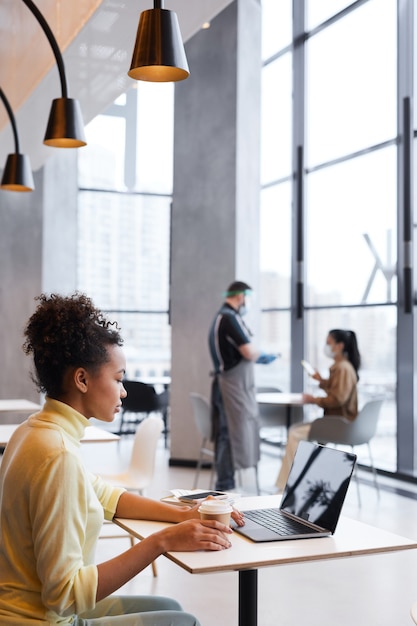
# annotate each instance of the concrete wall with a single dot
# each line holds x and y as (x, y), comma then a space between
(216, 197)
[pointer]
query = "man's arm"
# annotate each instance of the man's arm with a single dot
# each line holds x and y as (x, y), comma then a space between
(249, 352)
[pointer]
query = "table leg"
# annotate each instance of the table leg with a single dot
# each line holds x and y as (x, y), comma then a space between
(288, 418)
(248, 597)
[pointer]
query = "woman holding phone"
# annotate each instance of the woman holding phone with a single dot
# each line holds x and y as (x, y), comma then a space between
(341, 392)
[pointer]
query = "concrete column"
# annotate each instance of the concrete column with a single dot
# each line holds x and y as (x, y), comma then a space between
(215, 211)
(38, 246)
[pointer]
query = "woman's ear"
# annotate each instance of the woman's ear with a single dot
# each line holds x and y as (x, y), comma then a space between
(80, 378)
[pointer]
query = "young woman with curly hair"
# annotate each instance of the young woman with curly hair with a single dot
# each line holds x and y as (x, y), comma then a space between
(52, 508)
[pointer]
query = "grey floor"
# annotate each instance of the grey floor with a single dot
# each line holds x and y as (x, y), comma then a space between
(364, 591)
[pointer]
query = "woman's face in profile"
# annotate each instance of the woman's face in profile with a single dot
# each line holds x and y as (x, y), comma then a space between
(105, 389)
(336, 348)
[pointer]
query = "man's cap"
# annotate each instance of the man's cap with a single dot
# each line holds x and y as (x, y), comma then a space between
(237, 287)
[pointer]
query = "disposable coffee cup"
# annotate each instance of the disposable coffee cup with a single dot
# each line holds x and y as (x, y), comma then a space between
(216, 509)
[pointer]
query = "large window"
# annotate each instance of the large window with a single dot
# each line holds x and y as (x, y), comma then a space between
(124, 222)
(335, 97)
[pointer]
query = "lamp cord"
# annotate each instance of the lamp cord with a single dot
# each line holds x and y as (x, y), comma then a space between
(54, 45)
(12, 119)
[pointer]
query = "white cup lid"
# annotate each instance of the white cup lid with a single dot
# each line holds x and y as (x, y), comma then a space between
(215, 506)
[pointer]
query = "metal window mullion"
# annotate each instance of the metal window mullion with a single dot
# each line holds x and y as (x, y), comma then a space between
(298, 138)
(405, 318)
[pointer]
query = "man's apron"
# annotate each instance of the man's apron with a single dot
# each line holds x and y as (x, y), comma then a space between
(239, 400)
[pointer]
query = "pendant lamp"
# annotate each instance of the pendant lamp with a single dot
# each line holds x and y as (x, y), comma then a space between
(65, 127)
(159, 54)
(17, 175)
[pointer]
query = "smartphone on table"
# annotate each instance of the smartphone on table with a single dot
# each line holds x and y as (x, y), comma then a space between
(194, 498)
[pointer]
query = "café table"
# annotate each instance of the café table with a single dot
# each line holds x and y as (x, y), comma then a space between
(92, 434)
(352, 538)
(18, 406)
(281, 399)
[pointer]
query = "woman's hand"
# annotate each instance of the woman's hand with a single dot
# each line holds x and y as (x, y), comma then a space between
(194, 534)
(308, 398)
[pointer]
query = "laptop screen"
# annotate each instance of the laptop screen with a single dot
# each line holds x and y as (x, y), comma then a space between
(317, 484)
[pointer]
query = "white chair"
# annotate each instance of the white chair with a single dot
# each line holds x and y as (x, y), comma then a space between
(340, 431)
(413, 612)
(140, 470)
(202, 419)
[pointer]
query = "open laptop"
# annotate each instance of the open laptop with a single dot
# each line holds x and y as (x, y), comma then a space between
(312, 500)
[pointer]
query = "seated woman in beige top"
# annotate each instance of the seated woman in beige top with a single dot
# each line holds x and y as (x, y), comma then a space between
(341, 392)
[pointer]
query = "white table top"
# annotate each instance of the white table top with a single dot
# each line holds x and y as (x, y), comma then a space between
(352, 538)
(92, 434)
(8, 406)
(280, 398)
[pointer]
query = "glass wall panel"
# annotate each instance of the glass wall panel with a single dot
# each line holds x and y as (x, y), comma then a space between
(147, 343)
(375, 328)
(276, 119)
(124, 250)
(276, 26)
(320, 11)
(275, 337)
(155, 137)
(351, 83)
(275, 248)
(351, 231)
(101, 162)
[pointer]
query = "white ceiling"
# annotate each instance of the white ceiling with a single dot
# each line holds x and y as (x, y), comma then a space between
(96, 60)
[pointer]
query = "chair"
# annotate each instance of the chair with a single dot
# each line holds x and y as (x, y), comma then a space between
(141, 400)
(202, 419)
(163, 402)
(340, 431)
(140, 470)
(413, 612)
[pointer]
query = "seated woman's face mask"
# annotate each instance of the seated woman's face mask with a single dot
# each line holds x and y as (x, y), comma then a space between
(328, 351)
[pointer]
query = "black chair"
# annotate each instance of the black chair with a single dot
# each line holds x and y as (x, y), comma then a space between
(163, 401)
(141, 400)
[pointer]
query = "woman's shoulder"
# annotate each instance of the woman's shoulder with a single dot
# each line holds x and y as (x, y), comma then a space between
(345, 366)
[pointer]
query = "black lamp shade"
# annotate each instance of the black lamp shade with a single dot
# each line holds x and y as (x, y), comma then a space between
(65, 125)
(17, 175)
(159, 54)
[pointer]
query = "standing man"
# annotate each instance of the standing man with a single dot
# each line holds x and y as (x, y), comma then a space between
(233, 395)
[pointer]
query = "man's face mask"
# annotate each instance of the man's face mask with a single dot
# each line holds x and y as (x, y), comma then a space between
(245, 306)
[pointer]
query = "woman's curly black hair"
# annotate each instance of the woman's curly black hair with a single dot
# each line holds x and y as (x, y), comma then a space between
(66, 332)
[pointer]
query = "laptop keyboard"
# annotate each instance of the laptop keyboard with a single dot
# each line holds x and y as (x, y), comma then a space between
(274, 520)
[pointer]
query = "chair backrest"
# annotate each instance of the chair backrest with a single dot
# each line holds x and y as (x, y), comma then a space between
(365, 425)
(202, 414)
(142, 460)
(141, 398)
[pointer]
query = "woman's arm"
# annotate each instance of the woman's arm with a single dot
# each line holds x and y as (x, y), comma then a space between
(188, 536)
(133, 506)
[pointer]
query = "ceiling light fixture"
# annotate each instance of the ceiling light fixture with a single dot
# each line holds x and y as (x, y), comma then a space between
(159, 54)
(17, 175)
(65, 125)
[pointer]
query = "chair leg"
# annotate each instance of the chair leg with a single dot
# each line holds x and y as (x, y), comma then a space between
(355, 475)
(197, 475)
(154, 570)
(211, 483)
(373, 471)
(258, 491)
